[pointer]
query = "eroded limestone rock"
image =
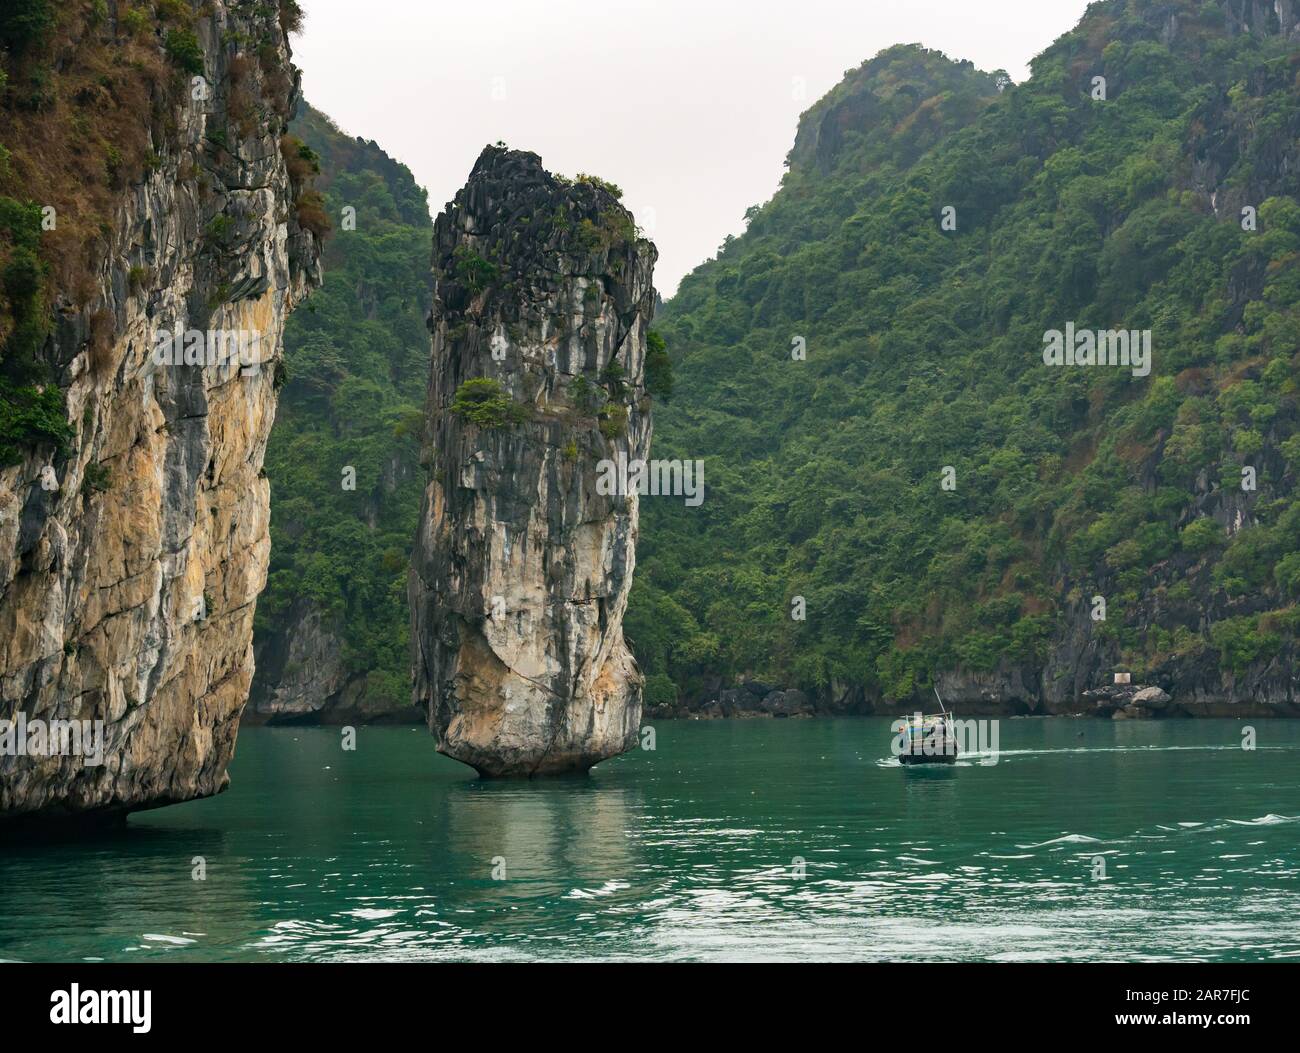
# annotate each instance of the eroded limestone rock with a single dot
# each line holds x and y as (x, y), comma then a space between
(127, 594)
(521, 568)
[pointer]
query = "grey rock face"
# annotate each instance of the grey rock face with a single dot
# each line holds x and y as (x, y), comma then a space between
(1262, 17)
(302, 678)
(127, 594)
(298, 671)
(522, 564)
(793, 703)
(1152, 697)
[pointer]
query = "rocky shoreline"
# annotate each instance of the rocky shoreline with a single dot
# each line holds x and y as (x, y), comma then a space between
(754, 700)
(757, 700)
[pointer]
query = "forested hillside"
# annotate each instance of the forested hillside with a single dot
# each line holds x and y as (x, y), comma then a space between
(332, 627)
(883, 438)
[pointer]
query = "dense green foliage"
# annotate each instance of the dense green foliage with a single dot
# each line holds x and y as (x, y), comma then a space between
(357, 358)
(658, 366)
(924, 350)
(183, 49)
(31, 406)
(31, 410)
(30, 414)
(24, 22)
(88, 93)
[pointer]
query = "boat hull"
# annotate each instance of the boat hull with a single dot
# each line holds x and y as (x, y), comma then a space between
(935, 758)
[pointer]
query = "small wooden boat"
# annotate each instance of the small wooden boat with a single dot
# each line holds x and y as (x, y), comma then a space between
(929, 739)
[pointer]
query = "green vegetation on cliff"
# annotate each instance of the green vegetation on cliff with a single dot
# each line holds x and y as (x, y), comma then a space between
(357, 358)
(924, 351)
(88, 93)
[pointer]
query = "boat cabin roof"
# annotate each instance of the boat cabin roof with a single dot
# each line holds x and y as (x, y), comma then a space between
(928, 721)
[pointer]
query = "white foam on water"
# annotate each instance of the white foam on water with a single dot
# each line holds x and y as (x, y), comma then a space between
(159, 938)
(1066, 839)
(1266, 820)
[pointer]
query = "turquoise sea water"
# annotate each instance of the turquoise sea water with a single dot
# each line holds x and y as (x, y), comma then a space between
(693, 852)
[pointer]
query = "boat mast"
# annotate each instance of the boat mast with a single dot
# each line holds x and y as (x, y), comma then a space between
(935, 689)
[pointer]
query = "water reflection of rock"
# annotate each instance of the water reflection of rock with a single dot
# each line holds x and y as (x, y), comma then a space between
(570, 838)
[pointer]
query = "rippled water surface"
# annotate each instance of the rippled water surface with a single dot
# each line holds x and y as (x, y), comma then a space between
(693, 852)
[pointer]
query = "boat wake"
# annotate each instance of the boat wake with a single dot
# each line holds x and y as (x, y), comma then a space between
(987, 759)
(1235, 747)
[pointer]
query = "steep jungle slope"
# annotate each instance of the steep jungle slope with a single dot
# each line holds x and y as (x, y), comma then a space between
(332, 627)
(943, 501)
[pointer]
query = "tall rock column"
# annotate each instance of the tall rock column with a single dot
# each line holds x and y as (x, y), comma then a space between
(131, 557)
(523, 558)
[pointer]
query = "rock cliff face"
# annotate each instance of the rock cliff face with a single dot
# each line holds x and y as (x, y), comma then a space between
(127, 593)
(521, 568)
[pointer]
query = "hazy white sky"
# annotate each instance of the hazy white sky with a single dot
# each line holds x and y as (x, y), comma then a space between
(689, 105)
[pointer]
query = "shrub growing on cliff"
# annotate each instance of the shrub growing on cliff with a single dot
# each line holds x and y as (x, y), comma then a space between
(219, 229)
(303, 165)
(291, 16)
(472, 270)
(612, 377)
(300, 160)
(603, 184)
(133, 22)
(615, 227)
(98, 479)
(30, 415)
(613, 420)
(486, 403)
(586, 396)
(311, 213)
(173, 10)
(183, 48)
